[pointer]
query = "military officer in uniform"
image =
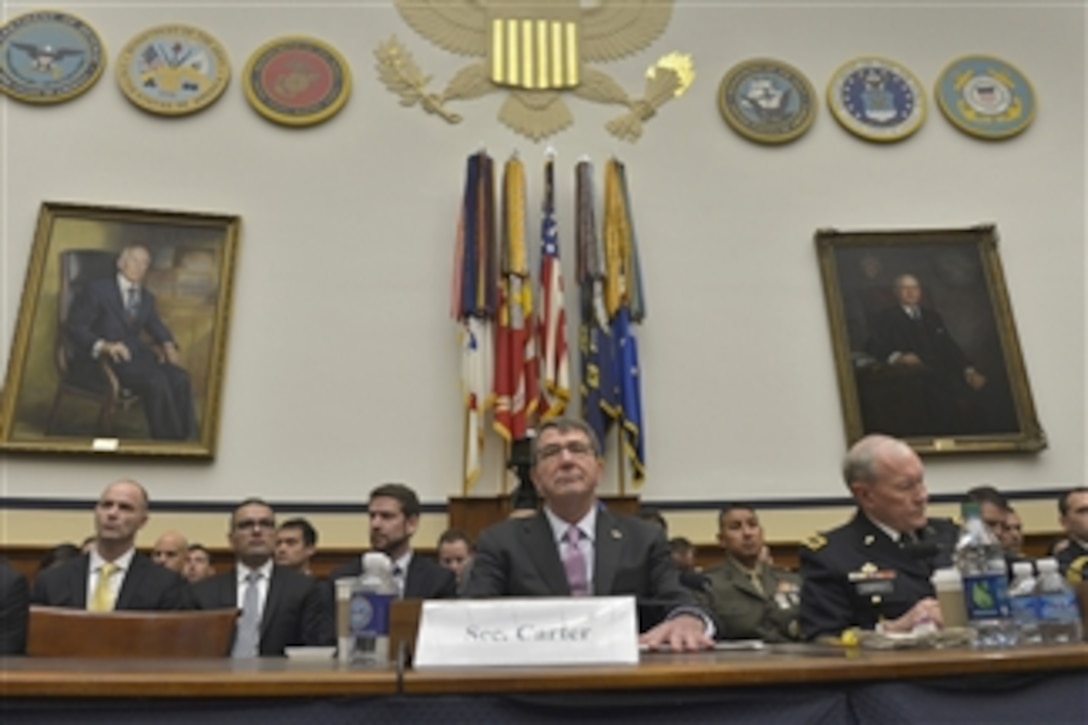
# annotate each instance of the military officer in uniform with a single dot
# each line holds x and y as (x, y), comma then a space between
(752, 599)
(874, 571)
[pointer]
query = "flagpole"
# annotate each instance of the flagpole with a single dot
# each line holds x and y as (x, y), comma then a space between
(464, 452)
(621, 474)
(504, 470)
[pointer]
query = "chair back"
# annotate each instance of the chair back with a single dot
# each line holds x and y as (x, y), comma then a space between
(404, 617)
(77, 268)
(61, 632)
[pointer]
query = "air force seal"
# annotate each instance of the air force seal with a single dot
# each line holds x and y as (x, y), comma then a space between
(876, 99)
(173, 70)
(985, 97)
(49, 57)
(767, 101)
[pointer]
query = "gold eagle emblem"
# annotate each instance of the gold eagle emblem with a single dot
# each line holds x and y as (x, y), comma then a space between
(536, 51)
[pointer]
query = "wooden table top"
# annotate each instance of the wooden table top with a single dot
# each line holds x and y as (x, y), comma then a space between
(277, 677)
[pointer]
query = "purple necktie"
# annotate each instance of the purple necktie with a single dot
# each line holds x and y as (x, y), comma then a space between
(574, 562)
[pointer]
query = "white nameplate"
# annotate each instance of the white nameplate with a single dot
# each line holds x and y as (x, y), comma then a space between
(538, 631)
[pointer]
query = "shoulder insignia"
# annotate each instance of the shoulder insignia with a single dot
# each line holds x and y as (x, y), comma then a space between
(1077, 570)
(815, 542)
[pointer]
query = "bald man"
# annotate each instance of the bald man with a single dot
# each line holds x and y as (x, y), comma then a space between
(171, 550)
(873, 572)
(113, 575)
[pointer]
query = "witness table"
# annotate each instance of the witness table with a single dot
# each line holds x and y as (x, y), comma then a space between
(787, 684)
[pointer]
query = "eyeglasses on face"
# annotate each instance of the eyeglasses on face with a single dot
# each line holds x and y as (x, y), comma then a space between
(575, 448)
(247, 524)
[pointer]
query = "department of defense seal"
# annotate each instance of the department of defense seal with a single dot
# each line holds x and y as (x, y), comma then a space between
(876, 99)
(297, 81)
(767, 101)
(985, 97)
(173, 70)
(49, 57)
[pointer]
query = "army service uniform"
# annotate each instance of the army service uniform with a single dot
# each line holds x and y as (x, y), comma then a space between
(855, 576)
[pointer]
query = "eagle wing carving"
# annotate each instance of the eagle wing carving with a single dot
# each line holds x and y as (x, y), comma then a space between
(459, 26)
(615, 28)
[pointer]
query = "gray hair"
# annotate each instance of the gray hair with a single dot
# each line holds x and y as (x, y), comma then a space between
(564, 424)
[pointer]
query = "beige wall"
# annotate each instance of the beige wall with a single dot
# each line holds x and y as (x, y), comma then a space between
(341, 364)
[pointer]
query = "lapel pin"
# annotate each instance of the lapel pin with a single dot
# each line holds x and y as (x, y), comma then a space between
(869, 539)
(617, 534)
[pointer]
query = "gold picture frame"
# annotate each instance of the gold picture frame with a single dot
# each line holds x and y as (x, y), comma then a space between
(120, 342)
(924, 340)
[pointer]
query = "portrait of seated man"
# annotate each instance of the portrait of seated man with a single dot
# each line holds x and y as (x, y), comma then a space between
(918, 380)
(116, 319)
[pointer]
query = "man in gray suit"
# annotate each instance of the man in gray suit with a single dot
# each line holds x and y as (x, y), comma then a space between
(574, 546)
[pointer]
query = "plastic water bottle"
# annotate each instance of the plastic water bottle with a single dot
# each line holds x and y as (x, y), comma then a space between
(1059, 615)
(1024, 603)
(981, 561)
(368, 610)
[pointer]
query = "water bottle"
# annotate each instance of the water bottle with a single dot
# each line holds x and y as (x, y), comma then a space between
(1024, 604)
(1059, 615)
(368, 610)
(981, 561)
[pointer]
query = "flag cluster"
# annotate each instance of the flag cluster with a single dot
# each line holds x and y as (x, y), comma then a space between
(514, 356)
(611, 303)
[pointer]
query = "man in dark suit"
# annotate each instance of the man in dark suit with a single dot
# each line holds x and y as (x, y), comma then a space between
(110, 319)
(938, 386)
(874, 571)
(394, 518)
(113, 575)
(14, 605)
(280, 607)
(574, 546)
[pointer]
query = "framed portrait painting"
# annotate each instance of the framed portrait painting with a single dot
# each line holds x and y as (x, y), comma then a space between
(120, 342)
(924, 340)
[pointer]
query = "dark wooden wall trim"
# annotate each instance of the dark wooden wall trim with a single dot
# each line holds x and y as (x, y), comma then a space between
(26, 558)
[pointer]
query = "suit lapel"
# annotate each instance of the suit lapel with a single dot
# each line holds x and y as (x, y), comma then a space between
(540, 544)
(272, 599)
(607, 545)
(78, 582)
(130, 584)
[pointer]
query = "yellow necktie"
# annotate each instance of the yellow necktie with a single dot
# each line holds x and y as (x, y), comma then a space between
(101, 599)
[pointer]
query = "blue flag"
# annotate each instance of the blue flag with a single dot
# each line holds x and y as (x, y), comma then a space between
(629, 393)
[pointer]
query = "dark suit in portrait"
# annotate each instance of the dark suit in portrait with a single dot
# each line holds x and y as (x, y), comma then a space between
(425, 579)
(14, 608)
(146, 586)
(294, 613)
(519, 558)
(100, 314)
(929, 399)
(856, 576)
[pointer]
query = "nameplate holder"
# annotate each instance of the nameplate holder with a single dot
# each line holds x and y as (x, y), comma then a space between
(527, 632)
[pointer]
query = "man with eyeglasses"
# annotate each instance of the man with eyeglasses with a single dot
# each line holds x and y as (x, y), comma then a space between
(112, 574)
(575, 547)
(280, 607)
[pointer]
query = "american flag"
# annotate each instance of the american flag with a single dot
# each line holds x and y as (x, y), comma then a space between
(552, 330)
